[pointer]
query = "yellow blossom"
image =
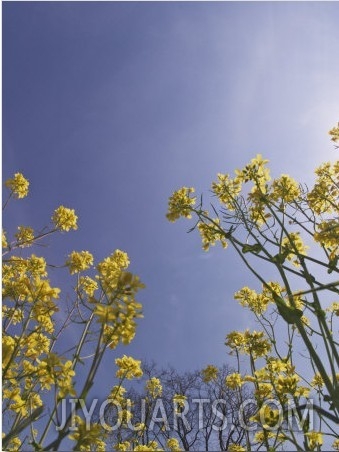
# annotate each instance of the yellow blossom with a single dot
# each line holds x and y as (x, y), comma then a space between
(317, 381)
(85, 438)
(227, 189)
(179, 400)
(180, 204)
(14, 445)
(4, 239)
(65, 218)
(334, 132)
(234, 381)
(117, 394)
(110, 269)
(334, 308)
(254, 301)
(128, 367)
(323, 198)
(257, 172)
(315, 439)
(235, 448)
(260, 436)
(24, 236)
(209, 373)
(153, 387)
(292, 246)
(210, 233)
(285, 188)
(173, 445)
(123, 446)
(88, 285)
(250, 343)
(327, 234)
(79, 261)
(18, 185)
(151, 446)
(264, 391)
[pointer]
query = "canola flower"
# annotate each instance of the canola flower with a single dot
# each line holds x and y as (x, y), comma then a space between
(210, 373)
(128, 367)
(18, 185)
(31, 367)
(65, 219)
(154, 387)
(79, 261)
(295, 230)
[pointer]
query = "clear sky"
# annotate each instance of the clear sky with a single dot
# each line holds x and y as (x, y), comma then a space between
(109, 107)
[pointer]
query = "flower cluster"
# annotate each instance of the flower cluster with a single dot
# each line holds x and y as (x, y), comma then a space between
(179, 400)
(285, 189)
(34, 371)
(18, 185)
(293, 247)
(24, 236)
(250, 343)
(154, 387)
(79, 261)
(180, 204)
(211, 233)
(210, 373)
(128, 367)
(65, 219)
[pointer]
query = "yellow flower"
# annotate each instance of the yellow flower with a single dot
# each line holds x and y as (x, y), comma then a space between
(210, 234)
(287, 384)
(323, 198)
(334, 132)
(14, 445)
(292, 246)
(105, 313)
(234, 381)
(235, 448)
(122, 447)
(251, 299)
(260, 436)
(128, 367)
(179, 400)
(79, 261)
(65, 218)
(317, 381)
(250, 343)
(151, 446)
(335, 444)
(256, 172)
(180, 204)
(173, 445)
(88, 285)
(154, 388)
(110, 269)
(334, 308)
(227, 189)
(209, 373)
(285, 188)
(18, 185)
(24, 236)
(264, 390)
(315, 439)
(4, 240)
(327, 234)
(86, 438)
(117, 394)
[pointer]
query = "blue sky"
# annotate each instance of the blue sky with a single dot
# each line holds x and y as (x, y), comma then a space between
(108, 107)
